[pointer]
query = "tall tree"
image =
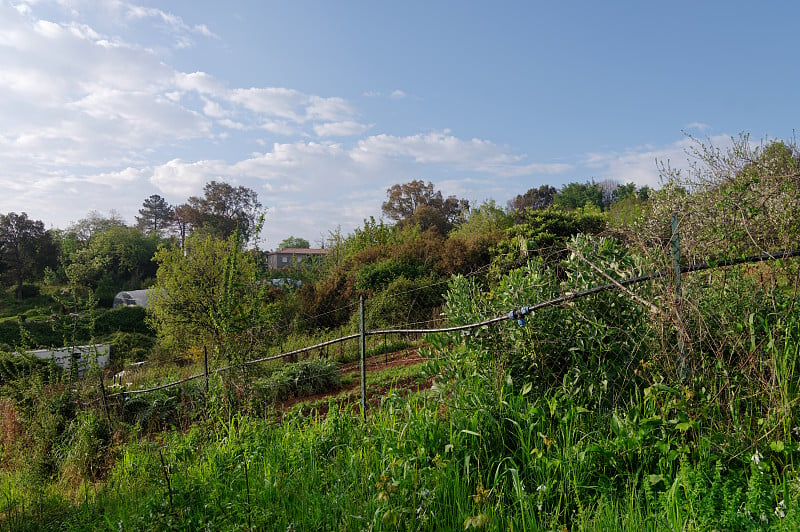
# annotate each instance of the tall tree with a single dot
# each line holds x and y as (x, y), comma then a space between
(577, 195)
(535, 198)
(210, 296)
(155, 215)
(417, 202)
(223, 209)
(294, 242)
(94, 222)
(25, 248)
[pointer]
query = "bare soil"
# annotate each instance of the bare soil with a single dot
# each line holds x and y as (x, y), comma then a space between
(349, 393)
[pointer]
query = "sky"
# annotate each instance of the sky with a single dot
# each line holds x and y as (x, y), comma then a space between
(321, 106)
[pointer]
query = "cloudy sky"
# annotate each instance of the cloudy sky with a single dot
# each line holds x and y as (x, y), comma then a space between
(320, 106)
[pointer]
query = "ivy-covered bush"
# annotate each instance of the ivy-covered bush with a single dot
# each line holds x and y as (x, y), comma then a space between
(592, 342)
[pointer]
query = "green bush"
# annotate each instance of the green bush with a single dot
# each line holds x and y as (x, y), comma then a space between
(404, 302)
(129, 347)
(299, 379)
(123, 319)
(591, 342)
(152, 411)
(87, 455)
(378, 276)
(13, 366)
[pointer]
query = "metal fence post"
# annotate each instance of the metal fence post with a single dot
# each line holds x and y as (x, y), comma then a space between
(205, 365)
(676, 267)
(363, 352)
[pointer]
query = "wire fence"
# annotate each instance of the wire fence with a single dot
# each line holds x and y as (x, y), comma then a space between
(516, 314)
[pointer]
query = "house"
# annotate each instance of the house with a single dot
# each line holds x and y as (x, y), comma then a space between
(290, 257)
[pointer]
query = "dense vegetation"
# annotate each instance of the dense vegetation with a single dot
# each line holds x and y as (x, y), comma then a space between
(642, 407)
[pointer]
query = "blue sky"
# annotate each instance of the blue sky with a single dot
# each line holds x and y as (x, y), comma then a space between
(321, 106)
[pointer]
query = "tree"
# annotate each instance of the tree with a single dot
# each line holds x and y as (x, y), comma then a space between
(623, 192)
(738, 201)
(485, 218)
(418, 203)
(545, 232)
(117, 258)
(577, 195)
(210, 296)
(535, 198)
(25, 248)
(293, 242)
(223, 209)
(95, 222)
(183, 218)
(155, 215)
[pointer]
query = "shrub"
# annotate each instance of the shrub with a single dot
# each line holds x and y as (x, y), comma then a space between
(299, 379)
(14, 366)
(89, 444)
(130, 347)
(405, 301)
(123, 319)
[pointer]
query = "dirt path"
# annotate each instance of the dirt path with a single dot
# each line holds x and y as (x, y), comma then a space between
(349, 393)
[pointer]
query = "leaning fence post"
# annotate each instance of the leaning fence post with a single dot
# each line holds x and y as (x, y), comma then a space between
(676, 267)
(105, 402)
(205, 364)
(362, 352)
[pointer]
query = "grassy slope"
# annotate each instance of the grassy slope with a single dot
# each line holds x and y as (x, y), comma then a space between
(511, 461)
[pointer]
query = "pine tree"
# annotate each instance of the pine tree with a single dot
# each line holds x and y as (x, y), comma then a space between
(156, 214)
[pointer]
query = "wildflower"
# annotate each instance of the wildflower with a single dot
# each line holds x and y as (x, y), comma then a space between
(780, 509)
(756, 458)
(541, 488)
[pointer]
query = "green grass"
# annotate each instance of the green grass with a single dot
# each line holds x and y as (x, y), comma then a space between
(39, 306)
(499, 458)
(484, 448)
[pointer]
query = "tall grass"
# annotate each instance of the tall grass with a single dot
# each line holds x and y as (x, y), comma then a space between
(612, 439)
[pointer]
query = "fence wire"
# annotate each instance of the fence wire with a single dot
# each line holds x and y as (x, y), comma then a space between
(513, 314)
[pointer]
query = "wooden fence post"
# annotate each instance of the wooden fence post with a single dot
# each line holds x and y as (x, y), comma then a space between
(105, 402)
(205, 364)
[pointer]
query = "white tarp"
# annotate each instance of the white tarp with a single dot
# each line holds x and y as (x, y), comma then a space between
(82, 355)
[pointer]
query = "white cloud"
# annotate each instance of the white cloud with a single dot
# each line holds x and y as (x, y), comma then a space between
(347, 128)
(181, 31)
(271, 101)
(698, 126)
(200, 82)
(113, 179)
(442, 148)
(93, 119)
(328, 109)
(640, 164)
(180, 178)
(213, 109)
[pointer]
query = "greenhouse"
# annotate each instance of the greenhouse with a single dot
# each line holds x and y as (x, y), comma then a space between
(132, 298)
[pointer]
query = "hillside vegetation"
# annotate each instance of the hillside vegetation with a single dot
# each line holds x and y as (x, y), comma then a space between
(655, 405)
